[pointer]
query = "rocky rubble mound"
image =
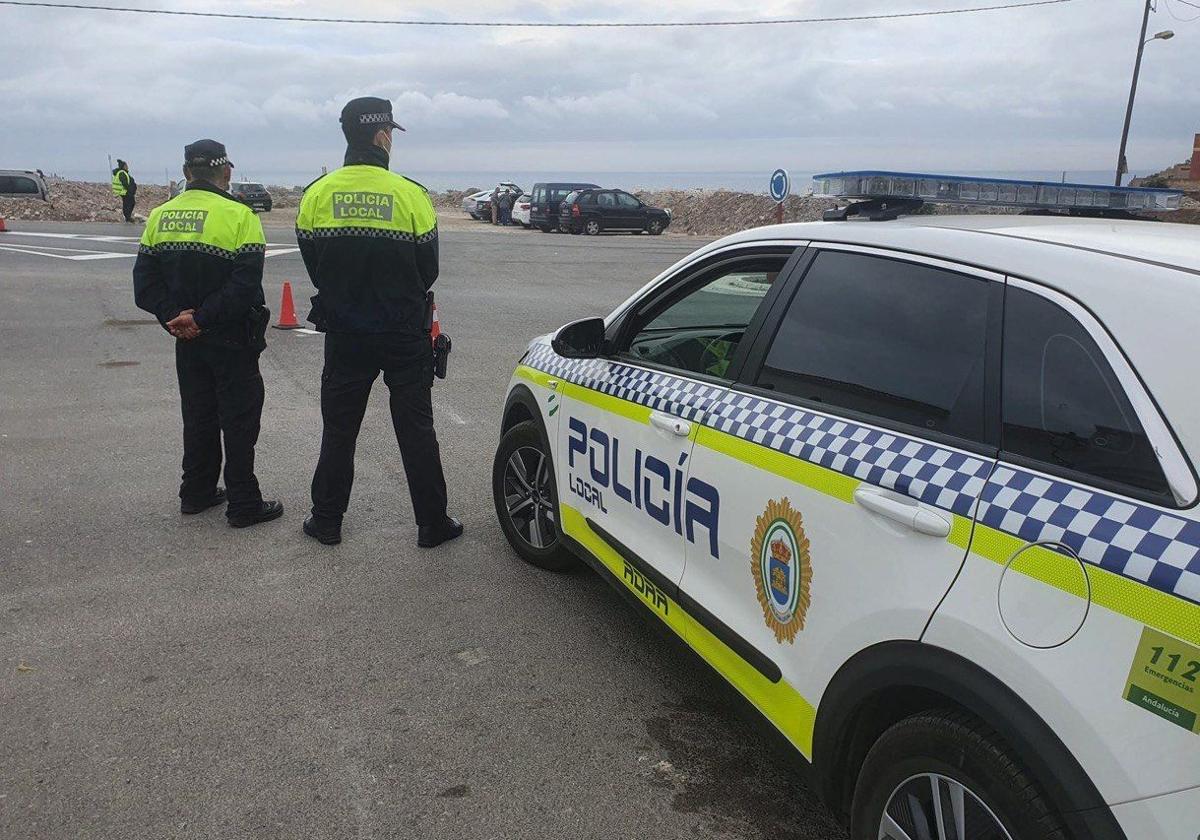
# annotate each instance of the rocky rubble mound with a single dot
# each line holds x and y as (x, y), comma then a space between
(718, 212)
(80, 201)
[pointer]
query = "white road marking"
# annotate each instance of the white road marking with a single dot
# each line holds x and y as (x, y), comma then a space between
(39, 252)
(273, 249)
(305, 331)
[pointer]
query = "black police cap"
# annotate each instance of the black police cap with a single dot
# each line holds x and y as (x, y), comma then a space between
(368, 114)
(205, 153)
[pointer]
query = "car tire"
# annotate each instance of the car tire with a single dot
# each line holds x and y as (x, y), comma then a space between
(592, 227)
(967, 763)
(545, 229)
(523, 471)
(655, 227)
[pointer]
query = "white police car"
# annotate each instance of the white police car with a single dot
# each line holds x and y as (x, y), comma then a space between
(922, 490)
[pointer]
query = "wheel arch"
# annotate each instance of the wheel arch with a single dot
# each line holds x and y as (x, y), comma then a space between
(520, 406)
(888, 682)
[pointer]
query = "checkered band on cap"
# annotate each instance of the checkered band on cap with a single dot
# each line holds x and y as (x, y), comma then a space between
(1119, 535)
(200, 160)
(371, 119)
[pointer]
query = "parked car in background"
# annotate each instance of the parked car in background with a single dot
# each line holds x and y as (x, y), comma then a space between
(545, 201)
(470, 203)
(254, 196)
(521, 209)
(595, 211)
(483, 200)
(23, 183)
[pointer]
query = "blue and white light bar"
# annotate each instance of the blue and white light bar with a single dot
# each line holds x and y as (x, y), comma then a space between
(993, 192)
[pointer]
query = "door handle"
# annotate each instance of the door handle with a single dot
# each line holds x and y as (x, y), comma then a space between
(669, 423)
(907, 512)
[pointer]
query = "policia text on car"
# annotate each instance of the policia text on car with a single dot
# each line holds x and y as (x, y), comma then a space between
(199, 272)
(369, 241)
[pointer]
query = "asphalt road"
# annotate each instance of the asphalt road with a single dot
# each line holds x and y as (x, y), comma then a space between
(170, 677)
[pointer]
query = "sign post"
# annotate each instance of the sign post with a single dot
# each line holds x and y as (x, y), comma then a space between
(781, 187)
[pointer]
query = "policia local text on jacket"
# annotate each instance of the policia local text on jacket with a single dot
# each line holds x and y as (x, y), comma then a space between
(369, 241)
(204, 251)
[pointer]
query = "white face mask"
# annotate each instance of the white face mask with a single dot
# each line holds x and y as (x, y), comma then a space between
(386, 142)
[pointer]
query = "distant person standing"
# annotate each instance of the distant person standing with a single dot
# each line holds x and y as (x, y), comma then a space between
(199, 272)
(124, 187)
(506, 205)
(495, 205)
(369, 240)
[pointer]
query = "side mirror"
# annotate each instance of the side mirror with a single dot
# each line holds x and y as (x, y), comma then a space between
(583, 339)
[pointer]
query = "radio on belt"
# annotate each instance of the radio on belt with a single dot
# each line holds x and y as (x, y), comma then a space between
(879, 195)
(441, 341)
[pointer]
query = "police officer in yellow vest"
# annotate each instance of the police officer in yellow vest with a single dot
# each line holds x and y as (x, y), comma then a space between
(369, 240)
(124, 187)
(199, 272)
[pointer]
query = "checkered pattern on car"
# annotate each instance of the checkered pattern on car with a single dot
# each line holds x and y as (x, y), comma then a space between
(1122, 536)
(936, 475)
(658, 391)
(1130, 539)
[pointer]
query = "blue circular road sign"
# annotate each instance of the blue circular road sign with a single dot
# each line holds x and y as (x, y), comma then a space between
(781, 184)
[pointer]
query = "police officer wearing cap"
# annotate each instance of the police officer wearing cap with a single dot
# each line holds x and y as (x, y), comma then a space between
(369, 240)
(199, 272)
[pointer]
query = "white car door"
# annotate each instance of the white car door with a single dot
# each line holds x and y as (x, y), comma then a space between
(851, 460)
(629, 423)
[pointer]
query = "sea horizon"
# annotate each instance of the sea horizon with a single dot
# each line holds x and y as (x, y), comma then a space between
(738, 181)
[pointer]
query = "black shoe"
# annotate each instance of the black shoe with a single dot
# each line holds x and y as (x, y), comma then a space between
(266, 512)
(327, 535)
(190, 508)
(429, 536)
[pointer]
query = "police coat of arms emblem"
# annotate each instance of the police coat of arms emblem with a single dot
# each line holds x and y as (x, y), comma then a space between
(782, 569)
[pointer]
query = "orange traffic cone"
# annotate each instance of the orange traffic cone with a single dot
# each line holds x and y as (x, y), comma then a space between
(287, 310)
(436, 329)
(2, 227)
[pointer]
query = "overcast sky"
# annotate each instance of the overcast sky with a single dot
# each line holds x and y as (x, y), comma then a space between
(1037, 88)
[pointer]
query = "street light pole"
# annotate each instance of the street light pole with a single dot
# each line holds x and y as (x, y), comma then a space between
(1137, 68)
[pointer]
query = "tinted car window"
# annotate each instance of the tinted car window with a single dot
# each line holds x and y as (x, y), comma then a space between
(559, 194)
(1063, 405)
(606, 199)
(700, 331)
(627, 200)
(569, 197)
(16, 185)
(896, 340)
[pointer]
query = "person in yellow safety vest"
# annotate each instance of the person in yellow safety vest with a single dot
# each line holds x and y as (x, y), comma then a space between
(369, 240)
(124, 187)
(199, 271)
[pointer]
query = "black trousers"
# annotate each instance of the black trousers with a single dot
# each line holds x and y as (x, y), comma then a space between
(127, 206)
(221, 391)
(352, 363)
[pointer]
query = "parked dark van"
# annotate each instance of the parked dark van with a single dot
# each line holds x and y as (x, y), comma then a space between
(543, 212)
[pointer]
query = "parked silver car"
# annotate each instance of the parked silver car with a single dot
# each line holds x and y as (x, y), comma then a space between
(23, 183)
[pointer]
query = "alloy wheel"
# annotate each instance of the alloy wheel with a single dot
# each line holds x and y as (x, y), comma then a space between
(935, 807)
(529, 498)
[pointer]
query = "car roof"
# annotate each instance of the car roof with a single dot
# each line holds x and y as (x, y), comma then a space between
(1140, 278)
(981, 240)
